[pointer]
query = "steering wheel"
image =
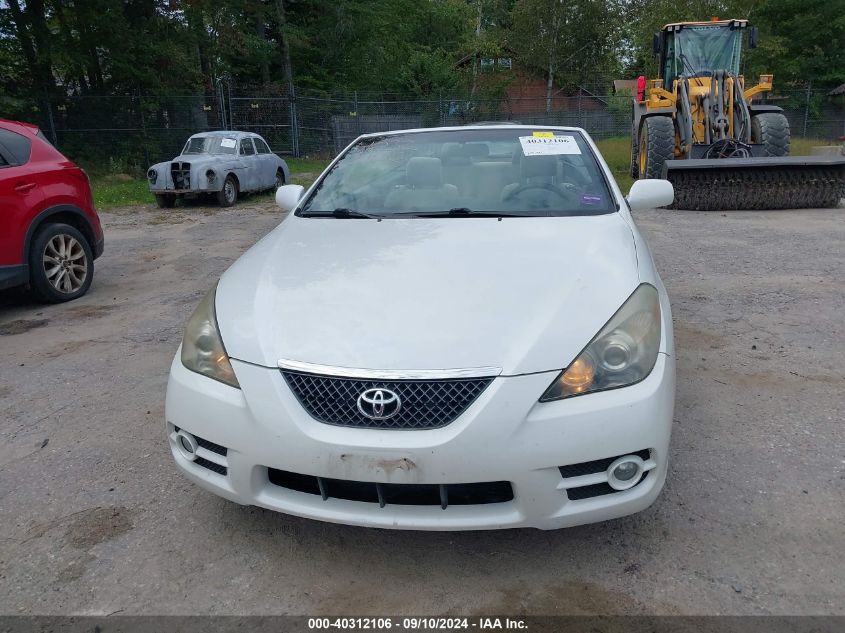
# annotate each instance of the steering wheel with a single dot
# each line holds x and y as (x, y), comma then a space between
(560, 193)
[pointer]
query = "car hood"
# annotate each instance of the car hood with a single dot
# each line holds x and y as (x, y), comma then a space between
(520, 294)
(201, 159)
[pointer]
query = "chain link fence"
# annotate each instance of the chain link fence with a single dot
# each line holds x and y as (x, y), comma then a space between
(129, 133)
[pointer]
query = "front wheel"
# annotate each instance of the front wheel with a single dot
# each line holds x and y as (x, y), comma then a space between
(165, 200)
(61, 264)
(228, 194)
(771, 130)
(657, 145)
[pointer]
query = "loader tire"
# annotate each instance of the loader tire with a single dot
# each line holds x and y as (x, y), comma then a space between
(657, 145)
(771, 130)
(635, 156)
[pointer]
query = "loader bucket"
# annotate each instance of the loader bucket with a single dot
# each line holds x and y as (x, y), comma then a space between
(790, 182)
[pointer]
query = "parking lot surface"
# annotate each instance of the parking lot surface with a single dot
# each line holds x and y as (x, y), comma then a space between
(96, 520)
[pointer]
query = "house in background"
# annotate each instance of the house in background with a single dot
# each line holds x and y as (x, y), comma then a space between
(524, 90)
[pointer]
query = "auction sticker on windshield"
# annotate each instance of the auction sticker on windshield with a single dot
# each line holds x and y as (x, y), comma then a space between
(228, 142)
(548, 145)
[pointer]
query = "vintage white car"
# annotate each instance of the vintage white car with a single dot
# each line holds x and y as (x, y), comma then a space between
(224, 164)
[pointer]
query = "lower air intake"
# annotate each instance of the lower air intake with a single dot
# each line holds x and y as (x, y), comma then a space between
(443, 495)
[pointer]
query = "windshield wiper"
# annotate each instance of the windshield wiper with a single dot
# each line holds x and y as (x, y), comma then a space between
(462, 212)
(341, 212)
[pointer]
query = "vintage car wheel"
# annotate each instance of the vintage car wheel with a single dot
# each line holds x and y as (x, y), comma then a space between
(61, 264)
(280, 179)
(165, 200)
(228, 194)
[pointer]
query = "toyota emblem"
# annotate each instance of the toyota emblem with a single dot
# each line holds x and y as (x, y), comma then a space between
(379, 404)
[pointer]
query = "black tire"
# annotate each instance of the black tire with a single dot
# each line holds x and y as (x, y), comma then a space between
(635, 145)
(280, 179)
(771, 130)
(59, 274)
(165, 200)
(635, 158)
(657, 145)
(228, 194)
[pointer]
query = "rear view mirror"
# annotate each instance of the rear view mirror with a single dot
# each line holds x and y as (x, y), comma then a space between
(753, 35)
(288, 196)
(657, 43)
(650, 193)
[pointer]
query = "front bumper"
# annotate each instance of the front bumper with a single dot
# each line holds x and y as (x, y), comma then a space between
(506, 435)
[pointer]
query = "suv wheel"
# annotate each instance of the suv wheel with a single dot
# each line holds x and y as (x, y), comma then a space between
(61, 264)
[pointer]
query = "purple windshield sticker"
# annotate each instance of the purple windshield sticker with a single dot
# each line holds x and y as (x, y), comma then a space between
(589, 198)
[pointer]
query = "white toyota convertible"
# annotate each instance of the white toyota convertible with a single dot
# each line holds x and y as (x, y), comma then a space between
(452, 329)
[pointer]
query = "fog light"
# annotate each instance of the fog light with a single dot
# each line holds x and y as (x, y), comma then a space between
(625, 472)
(187, 445)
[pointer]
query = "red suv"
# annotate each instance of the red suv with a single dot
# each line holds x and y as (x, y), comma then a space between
(50, 233)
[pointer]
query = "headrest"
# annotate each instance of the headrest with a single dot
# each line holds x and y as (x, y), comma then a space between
(539, 166)
(453, 154)
(424, 172)
(477, 150)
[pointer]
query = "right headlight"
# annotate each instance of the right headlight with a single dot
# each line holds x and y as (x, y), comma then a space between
(622, 353)
(202, 347)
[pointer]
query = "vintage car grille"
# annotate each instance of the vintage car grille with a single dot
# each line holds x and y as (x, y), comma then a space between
(425, 404)
(181, 173)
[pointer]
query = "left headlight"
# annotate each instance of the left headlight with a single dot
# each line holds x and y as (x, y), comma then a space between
(623, 353)
(152, 176)
(202, 347)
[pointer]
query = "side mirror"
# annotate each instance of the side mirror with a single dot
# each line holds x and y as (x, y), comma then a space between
(288, 196)
(657, 43)
(753, 35)
(650, 193)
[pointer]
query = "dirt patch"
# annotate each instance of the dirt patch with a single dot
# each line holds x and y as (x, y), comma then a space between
(97, 525)
(169, 218)
(65, 348)
(89, 312)
(20, 326)
(567, 598)
(688, 336)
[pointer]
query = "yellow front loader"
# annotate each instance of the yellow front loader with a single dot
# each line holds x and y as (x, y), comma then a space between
(701, 127)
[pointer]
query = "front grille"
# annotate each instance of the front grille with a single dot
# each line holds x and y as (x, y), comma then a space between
(596, 466)
(597, 490)
(211, 446)
(181, 173)
(213, 466)
(443, 495)
(205, 463)
(425, 404)
(575, 493)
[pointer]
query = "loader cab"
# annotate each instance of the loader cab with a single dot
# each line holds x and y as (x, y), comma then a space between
(697, 49)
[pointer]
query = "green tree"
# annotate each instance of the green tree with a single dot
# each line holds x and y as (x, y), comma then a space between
(567, 39)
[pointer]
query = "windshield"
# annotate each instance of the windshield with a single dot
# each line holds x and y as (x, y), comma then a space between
(515, 171)
(210, 145)
(700, 50)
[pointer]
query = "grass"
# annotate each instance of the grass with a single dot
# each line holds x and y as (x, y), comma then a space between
(120, 190)
(617, 154)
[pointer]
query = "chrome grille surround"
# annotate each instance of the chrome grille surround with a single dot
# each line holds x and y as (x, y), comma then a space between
(426, 404)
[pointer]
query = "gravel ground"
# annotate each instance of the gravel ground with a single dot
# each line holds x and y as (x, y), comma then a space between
(96, 520)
